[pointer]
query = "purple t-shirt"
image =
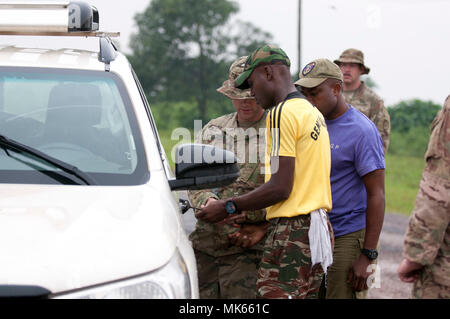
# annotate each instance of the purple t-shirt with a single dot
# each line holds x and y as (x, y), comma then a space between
(356, 150)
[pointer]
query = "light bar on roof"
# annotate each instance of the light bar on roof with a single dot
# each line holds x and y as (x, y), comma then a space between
(29, 17)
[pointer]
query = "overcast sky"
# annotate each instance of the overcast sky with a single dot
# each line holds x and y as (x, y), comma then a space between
(405, 42)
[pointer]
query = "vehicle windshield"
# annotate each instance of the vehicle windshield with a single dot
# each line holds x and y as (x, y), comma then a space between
(83, 118)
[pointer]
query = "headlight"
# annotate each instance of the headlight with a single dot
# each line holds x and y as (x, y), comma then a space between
(168, 282)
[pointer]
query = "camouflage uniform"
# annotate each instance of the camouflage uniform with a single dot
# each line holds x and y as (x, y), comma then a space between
(212, 247)
(285, 271)
(372, 106)
(226, 270)
(427, 240)
(366, 100)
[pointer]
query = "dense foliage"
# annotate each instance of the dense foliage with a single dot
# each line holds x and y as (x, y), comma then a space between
(411, 114)
(410, 126)
(182, 52)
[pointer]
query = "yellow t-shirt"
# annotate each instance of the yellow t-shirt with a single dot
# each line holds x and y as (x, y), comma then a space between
(297, 129)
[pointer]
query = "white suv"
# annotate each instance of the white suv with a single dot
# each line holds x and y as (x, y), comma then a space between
(87, 201)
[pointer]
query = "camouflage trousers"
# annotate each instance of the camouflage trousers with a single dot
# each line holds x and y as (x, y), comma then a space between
(285, 271)
(428, 288)
(228, 277)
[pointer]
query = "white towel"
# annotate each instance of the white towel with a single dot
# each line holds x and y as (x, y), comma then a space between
(319, 240)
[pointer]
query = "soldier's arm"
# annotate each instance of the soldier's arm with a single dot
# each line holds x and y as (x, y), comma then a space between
(428, 223)
(426, 230)
(200, 197)
(382, 121)
(431, 216)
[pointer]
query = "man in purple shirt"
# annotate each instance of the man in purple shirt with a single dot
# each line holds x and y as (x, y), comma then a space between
(357, 181)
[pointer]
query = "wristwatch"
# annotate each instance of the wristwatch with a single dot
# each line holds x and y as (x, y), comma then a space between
(372, 254)
(230, 206)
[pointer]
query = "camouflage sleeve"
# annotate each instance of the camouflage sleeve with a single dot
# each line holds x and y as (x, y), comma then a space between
(431, 216)
(429, 221)
(382, 121)
(199, 197)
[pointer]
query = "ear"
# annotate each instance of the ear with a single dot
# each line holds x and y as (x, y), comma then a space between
(268, 72)
(337, 87)
(361, 69)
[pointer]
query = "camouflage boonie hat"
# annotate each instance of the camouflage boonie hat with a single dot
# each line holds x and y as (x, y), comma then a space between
(317, 71)
(266, 54)
(228, 88)
(353, 56)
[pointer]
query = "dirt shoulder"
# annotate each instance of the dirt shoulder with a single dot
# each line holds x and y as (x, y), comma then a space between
(391, 246)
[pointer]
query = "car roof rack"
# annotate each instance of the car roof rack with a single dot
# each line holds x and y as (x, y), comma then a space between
(56, 18)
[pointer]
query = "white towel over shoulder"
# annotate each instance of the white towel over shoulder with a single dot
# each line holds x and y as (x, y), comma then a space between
(319, 240)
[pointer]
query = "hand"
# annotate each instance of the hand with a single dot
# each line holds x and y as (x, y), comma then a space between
(408, 271)
(213, 212)
(211, 199)
(234, 219)
(357, 276)
(249, 235)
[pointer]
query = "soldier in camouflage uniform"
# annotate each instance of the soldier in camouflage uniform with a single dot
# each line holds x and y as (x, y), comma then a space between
(360, 96)
(426, 248)
(226, 270)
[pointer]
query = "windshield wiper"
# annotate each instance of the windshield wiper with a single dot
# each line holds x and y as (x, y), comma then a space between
(15, 146)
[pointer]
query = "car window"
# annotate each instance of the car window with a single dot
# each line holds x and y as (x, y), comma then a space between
(84, 118)
(167, 169)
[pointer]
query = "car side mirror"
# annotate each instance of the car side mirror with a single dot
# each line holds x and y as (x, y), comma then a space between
(199, 166)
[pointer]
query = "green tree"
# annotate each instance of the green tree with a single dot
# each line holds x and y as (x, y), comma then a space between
(407, 115)
(410, 126)
(183, 49)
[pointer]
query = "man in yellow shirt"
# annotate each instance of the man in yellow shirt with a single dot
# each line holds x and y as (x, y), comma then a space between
(297, 189)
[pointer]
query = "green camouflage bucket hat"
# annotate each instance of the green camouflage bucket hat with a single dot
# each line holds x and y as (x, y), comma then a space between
(353, 56)
(317, 71)
(267, 54)
(228, 88)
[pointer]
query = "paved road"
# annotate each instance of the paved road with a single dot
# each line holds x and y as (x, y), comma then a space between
(391, 241)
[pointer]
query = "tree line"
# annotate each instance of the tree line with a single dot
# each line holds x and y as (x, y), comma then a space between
(182, 52)
(410, 126)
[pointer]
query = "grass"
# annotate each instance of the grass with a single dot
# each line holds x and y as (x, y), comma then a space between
(403, 175)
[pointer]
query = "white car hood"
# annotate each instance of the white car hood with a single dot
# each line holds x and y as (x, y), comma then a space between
(67, 237)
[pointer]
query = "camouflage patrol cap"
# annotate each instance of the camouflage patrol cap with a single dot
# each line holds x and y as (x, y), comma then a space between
(228, 88)
(267, 54)
(353, 56)
(317, 71)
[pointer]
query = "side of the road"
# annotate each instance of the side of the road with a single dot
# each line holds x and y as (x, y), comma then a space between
(391, 245)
